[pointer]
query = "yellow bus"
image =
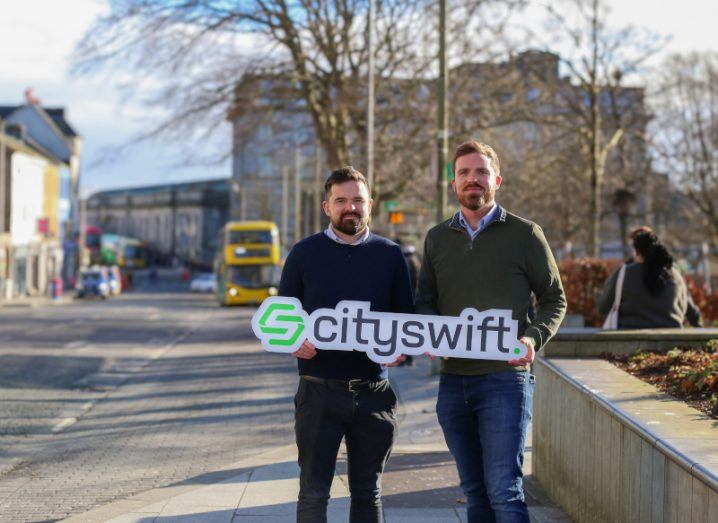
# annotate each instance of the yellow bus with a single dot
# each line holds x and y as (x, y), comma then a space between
(247, 262)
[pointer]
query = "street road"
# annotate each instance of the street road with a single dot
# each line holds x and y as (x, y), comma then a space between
(100, 400)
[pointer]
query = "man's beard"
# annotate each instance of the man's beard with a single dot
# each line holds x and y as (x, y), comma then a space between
(350, 223)
(475, 201)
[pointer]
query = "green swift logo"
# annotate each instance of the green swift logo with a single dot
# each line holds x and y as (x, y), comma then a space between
(280, 325)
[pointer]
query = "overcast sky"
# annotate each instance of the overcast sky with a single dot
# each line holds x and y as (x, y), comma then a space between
(38, 36)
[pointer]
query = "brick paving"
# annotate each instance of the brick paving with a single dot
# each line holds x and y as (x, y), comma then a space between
(420, 483)
(211, 399)
(196, 424)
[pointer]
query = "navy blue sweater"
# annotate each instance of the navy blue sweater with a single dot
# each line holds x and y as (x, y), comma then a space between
(321, 272)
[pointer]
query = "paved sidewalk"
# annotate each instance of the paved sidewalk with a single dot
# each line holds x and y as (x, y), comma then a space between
(420, 484)
(29, 302)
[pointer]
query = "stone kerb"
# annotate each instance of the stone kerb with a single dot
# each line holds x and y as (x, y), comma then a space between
(586, 342)
(608, 447)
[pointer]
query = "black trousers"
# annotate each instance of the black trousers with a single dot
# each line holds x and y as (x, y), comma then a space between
(364, 413)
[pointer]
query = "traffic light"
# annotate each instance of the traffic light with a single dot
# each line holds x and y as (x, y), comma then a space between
(396, 217)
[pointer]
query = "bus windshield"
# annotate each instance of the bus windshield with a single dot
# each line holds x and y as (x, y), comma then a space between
(252, 276)
(250, 237)
(132, 252)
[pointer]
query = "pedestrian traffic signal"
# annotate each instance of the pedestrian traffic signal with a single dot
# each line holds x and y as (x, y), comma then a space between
(396, 217)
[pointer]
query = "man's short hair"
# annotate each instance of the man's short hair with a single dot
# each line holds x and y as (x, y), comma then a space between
(472, 146)
(345, 174)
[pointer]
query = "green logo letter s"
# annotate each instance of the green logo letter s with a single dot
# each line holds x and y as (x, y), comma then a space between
(279, 323)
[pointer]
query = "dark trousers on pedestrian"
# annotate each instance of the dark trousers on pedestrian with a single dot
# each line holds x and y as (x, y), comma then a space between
(364, 414)
(485, 419)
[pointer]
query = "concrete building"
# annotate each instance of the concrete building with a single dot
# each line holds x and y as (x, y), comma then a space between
(39, 172)
(278, 171)
(277, 168)
(177, 221)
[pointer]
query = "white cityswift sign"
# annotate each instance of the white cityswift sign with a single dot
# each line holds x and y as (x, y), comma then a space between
(282, 325)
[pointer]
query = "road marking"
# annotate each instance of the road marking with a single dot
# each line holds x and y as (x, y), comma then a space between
(74, 344)
(131, 367)
(67, 422)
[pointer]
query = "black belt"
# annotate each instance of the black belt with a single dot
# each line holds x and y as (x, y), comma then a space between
(346, 385)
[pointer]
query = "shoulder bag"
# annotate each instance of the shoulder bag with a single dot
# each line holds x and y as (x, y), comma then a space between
(611, 321)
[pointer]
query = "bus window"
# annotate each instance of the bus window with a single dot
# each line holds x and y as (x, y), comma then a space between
(252, 276)
(250, 237)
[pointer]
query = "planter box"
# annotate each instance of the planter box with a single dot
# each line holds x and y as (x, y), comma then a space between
(608, 447)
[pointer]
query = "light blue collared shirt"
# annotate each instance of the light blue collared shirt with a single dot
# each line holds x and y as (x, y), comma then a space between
(482, 224)
(333, 235)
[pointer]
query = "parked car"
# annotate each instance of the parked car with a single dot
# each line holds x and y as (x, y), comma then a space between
(206, 282)
(93, 282)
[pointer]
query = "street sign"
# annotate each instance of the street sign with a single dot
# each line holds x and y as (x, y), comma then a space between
(390, 205)
(43, 226)
(396, 217)
(449, 172)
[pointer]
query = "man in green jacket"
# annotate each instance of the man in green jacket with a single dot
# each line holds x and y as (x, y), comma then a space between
(487, 258)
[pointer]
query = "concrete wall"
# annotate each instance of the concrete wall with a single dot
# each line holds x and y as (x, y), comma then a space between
(609, 448)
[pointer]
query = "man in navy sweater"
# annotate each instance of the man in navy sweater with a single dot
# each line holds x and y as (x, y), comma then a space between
(343, 394)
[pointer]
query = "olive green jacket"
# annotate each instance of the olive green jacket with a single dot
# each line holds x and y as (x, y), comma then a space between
(499, 269)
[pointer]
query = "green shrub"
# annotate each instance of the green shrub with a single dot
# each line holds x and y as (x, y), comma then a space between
(583, 279)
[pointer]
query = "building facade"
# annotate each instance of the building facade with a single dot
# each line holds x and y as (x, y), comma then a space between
(39, 176)
(524, 107)
(178, 222)
(277, 167)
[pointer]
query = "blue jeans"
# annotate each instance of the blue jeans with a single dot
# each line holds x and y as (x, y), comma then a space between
(485, 419)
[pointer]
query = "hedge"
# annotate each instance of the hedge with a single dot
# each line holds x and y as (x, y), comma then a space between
(583, 279)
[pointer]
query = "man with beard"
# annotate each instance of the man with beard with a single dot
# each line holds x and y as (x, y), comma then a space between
(343, 394)
(487, 258)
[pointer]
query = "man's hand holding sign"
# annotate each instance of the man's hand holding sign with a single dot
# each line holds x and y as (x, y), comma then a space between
(528, 359)
(306, 350)
(283, 326)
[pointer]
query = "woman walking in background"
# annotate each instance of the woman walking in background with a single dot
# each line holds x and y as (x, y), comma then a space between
(653, 293)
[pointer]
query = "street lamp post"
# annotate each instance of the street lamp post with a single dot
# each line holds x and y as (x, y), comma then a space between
(443, 133)
(235, 206)
(370, 100)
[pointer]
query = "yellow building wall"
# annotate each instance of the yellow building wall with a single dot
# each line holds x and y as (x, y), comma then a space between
(52, 198)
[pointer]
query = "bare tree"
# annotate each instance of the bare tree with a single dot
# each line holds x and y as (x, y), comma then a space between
(192, 56)
(201, 50)
(514, 110)
(564, 123)
(686, 130)
(592, 111)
